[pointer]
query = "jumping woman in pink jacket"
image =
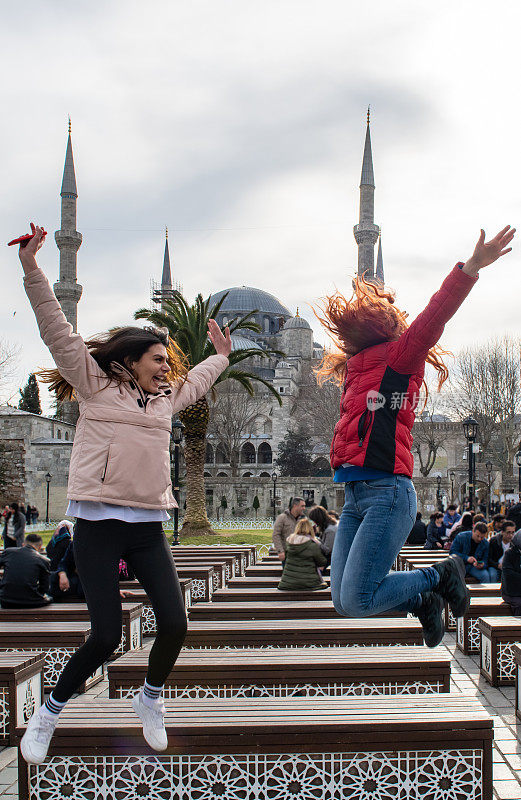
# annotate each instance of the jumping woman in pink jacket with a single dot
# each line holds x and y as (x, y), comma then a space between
(381, 363)
(128, 384)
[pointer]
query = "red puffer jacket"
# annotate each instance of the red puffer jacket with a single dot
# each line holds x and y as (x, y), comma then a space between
(382, 387)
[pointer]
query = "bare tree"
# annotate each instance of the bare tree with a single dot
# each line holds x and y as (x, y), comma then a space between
(9, 353)
(233, 417)
(317, 408)
(487, 385)
(429, 431)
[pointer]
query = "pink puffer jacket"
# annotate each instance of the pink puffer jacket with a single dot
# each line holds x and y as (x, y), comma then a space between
(121, 450)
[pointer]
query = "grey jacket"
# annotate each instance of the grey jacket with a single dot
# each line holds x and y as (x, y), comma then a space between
(19, 530)
(284, 526)
(327, 539)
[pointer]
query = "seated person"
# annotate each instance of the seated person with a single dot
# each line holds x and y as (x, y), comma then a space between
(435, 532)
(497, 547)
(303, 558)
(472, 547)
(58, 543)
(418, 534)
(25, 582)
(327, 526)
(511, 575)
(495, 526)
(65, 582)
(451, 516)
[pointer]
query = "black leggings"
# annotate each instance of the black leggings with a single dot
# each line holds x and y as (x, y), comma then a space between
(98, 548)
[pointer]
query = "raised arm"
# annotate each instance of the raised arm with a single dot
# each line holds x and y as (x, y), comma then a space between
(67, 348)
(201, 378)
(409, 352)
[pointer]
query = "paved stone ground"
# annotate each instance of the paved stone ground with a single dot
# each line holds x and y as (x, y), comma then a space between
(465, 678)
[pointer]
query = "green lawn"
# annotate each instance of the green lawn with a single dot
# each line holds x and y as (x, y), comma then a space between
(248, 536)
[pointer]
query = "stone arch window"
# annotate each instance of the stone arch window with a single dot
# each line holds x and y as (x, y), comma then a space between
(248, 453)
(265, 454)
(220, 455)
(59, 433)
(206, 475)
(265, 475)
(208, 459)
(247, 475)
(266, 324)
(268, 426)
(66, 436)
(222, 475)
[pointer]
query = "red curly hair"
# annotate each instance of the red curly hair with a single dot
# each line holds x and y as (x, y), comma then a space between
(369, 317)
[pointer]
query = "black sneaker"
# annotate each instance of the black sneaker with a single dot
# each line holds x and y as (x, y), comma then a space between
(452, 586)
(430, 616)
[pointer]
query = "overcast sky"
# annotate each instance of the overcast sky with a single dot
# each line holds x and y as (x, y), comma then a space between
(240, 125)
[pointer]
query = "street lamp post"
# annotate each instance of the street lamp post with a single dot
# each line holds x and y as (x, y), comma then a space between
(518, 462)
(438, 492)
(452, 475)
(488, 467)
(177, 436)
(48, 478)
(274, 478)
(470, 429)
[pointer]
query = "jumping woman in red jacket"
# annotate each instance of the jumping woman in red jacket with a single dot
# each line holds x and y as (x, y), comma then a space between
(382, 365)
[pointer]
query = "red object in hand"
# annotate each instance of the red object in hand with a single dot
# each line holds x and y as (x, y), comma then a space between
(22, 240)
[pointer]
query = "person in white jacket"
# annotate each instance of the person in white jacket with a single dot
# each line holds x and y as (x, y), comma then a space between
(128, 384)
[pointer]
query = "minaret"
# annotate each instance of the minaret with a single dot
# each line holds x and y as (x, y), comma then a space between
(67, 289)
(380, 262)
(366, 232)
(166, 277)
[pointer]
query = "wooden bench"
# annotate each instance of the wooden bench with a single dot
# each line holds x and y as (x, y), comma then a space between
(56, 640)
(271, 749)
(334, 632)
(148, 616)
(516, 649)
(21, 691)
(467, 630)
(247, 553)
(258, 583)
(498, 636)
(191, 561)
(476, 590)
(286, 672)
(185, 567)
(240, 559)
(230, 595)
(131, 634)
(281, 609)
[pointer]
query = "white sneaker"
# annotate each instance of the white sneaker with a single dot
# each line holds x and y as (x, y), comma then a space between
(153, 721)
(37, 737)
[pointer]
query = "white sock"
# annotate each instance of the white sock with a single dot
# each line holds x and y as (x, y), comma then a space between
(151, 695)
(52, 708)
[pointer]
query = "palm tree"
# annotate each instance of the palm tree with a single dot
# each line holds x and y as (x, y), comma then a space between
(187, 325)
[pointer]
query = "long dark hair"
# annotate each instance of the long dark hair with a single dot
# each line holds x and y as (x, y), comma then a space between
(319, 515)
(121, 346)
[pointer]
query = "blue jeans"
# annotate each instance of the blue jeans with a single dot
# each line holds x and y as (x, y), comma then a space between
(481, 575)
(494, 574)
(375, 522)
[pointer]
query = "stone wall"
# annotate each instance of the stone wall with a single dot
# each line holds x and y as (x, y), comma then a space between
(12, 471)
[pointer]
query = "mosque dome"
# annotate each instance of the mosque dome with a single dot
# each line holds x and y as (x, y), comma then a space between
(243, 299)
(296, 322)
(242, 343)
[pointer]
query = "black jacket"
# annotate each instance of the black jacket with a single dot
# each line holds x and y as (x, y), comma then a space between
(495, 550)
(434, 534)
(26, 577)
(67, 562)
(56, 550)
(514, 514)
(418, 535)
(511, 572)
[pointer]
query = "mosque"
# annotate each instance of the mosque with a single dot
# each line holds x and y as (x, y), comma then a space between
(280, 330)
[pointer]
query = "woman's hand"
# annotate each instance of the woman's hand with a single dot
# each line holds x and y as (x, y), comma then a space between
(27, 254)
(486, 253)
(222, 344)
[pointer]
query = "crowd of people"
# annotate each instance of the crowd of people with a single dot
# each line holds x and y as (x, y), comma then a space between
(491, 551)
(304, 544)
